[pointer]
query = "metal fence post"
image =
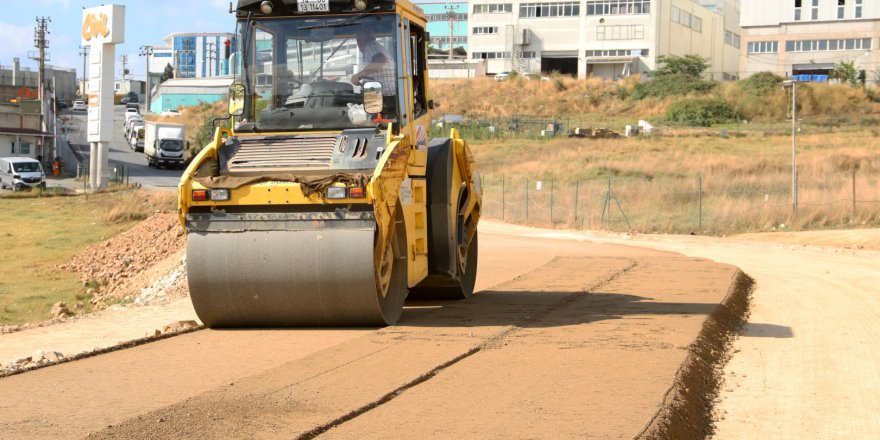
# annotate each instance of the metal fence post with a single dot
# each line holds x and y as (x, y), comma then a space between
(502, 198)
(700, 204)
(854, 193)
(576, 188)
(527, 199)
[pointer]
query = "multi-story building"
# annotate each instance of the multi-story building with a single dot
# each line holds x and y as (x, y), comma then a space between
(604, 38)
(447, 21)
(810, 37)
(193, 55)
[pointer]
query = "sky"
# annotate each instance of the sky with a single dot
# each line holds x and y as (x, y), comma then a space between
(146, 23)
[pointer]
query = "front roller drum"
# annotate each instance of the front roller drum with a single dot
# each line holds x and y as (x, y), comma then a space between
(293, 278)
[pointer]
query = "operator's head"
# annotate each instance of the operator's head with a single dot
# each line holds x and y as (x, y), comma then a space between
(364, 37)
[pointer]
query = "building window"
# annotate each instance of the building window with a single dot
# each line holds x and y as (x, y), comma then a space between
(457, 16)
(797, 10)
(618, 7)
(686, 19)
(490, 55)
(858, 9)
(729, 76)
(495, 8)
(841, 9)
(814, 13)
(832, 45)
(527, 54)
(621, 32)
(556, 9)
(444, 39)
(732, 39)
(485, 30)
(763, 47)
(617, 53)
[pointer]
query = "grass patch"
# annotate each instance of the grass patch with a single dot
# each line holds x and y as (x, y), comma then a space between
(42, 233)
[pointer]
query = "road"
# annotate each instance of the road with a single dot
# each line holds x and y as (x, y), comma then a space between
(121, 152)
(564, 339)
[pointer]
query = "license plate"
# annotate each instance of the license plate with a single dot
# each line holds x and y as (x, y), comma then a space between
(313, 5)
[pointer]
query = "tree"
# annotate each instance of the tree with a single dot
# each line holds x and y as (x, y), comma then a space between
(690, 65)
(845, 72)
(167, 74)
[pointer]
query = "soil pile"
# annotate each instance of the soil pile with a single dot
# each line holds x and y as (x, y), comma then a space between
(119, 268)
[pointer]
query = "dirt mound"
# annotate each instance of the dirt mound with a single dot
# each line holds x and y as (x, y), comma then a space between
(119, 268)
(686, 411)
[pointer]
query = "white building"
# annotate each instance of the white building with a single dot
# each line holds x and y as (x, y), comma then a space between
(194, 55)
(809, 37)
(605, 38)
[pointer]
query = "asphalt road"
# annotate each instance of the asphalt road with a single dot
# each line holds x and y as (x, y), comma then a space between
(121, 153)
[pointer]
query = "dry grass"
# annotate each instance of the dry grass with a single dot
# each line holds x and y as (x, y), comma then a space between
(746, 181)
(56, 229)
(564, 96)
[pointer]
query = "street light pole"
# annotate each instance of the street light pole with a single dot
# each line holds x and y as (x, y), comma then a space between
(146, 51)
(792, 84)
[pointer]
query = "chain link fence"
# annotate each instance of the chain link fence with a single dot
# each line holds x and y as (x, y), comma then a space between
(686, 205)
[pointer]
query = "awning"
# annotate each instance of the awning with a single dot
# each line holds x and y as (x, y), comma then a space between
(814, 66)
(611, 60)
(559, 54)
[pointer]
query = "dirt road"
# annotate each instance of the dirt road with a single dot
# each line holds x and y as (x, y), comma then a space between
(565, 339)
(806, 364)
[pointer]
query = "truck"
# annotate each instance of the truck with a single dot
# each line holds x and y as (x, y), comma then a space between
(136, 137)
(321, 200)
(164, 144)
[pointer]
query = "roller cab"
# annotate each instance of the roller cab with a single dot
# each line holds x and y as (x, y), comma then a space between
(325, 203)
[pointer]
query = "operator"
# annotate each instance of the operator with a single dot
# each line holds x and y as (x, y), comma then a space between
(380, 65)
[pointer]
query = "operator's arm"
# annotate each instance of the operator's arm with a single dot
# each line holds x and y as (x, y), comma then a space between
(375, 65)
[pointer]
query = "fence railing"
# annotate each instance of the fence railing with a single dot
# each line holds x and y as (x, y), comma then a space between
(686, 205)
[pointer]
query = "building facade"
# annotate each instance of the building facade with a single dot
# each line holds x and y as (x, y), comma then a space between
(808, 38)
(603, 38)
(193, 55)
(447, 21)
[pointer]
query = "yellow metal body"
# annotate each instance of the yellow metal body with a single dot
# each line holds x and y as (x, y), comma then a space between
(398, 179)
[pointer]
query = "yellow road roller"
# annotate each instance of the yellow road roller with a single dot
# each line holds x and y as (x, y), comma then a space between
(325, 202)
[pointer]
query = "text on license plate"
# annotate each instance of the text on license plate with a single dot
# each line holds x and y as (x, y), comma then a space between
(313, 5)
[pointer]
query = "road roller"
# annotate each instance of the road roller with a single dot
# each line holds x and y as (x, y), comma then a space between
(323, 201)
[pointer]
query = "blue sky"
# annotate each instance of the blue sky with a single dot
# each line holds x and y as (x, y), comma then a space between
(146, 23)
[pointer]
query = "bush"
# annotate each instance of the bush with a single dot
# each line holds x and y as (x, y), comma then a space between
(761, 84)
(672, 85)
(701, 112)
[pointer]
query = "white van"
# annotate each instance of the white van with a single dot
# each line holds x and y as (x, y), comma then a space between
(21, 173)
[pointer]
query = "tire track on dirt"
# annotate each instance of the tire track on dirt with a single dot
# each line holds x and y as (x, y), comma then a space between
(494, 341)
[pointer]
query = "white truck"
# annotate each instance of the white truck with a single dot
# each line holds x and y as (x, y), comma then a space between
(164, 144)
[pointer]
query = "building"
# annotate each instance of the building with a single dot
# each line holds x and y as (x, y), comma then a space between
(193, 55)
(184, 92)
(809, 37)
(20, 131)
(604, 38)
(446, 20)
(16, 80)
(122, 87)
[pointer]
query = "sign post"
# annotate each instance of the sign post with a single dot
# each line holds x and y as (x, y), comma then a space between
(103, 28)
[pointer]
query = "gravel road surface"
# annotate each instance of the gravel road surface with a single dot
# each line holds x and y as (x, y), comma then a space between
(565, 339)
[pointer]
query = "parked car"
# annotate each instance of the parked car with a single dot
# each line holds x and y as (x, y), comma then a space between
(129, 111)
(62, 103)
(133, 105)
(502, 76)
(80, 106)
(21, 173)
(170, 113)
(131, 97)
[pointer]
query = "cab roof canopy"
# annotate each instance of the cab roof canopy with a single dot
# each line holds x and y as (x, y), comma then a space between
(292, 7)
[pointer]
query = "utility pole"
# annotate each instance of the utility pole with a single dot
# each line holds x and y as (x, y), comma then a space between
(41, 42)
(146, 51)
(84, 51)
(124, 60)
(450, 15)
(792, 85)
